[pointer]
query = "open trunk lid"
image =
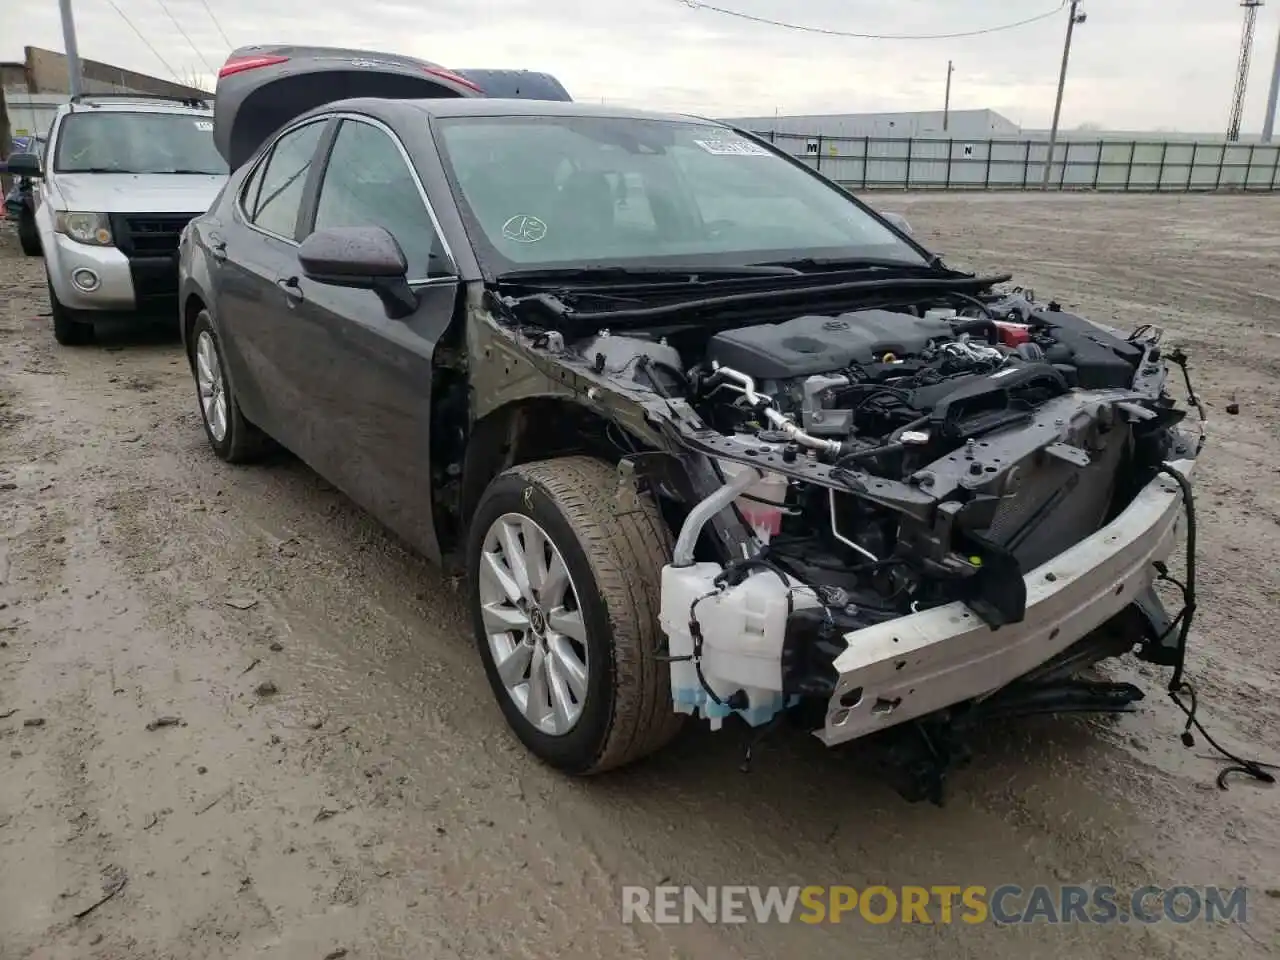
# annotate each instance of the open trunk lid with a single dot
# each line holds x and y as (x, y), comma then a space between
(261, 88)
(517, 84)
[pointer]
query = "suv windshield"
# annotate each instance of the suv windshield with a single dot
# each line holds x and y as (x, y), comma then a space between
(570, 191)
(114, 141)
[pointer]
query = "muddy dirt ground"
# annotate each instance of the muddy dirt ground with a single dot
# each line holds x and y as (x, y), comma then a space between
(376, 804)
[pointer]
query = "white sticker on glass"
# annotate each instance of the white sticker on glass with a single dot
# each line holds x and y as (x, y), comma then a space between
(204, 125)
(732, 148)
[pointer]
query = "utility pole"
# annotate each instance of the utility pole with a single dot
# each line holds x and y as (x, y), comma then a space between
(73, 53)
(1269, 121)
(946, 103)
(1074, 17)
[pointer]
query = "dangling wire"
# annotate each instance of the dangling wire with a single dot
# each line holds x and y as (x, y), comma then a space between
(1178, 686)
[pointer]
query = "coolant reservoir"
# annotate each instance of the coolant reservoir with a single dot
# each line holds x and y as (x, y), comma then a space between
(743, 628)
(760, 503)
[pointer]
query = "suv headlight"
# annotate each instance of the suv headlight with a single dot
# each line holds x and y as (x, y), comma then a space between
(91, 228)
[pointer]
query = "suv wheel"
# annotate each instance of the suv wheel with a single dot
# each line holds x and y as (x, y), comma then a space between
(28, 238)
(564, 581)
(67, 329)
(232, 437)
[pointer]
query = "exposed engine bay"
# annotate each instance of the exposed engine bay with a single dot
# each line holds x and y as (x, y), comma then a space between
(897, 461)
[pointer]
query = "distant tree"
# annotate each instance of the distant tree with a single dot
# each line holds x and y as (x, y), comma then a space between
(1089, 125)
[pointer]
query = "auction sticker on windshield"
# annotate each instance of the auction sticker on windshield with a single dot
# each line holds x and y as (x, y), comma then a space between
(732, 148)
(204, 125)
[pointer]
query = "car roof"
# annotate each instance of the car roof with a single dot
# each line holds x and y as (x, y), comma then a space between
(491, 107)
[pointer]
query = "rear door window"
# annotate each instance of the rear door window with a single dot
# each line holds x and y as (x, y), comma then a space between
(273, 194)
(367, 182)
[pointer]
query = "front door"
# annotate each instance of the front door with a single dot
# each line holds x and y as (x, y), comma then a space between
(369, 376)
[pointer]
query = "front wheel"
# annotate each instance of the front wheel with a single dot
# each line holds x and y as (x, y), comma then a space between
(28, 238)
(68, 330)
(565, 570)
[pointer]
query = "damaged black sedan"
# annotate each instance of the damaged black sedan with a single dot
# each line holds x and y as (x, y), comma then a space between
(707, 435)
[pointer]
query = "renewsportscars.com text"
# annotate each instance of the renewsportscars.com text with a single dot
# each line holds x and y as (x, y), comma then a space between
(1004, 905)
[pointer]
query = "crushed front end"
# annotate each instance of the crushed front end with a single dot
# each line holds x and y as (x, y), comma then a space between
(912, 514)
(938, 504)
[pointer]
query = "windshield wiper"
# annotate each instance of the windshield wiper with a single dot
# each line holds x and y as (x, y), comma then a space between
(200, 173)
(692, 308)
(689, 274)
(833, 264)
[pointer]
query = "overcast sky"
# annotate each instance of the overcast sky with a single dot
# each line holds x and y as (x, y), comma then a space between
(1136, 64)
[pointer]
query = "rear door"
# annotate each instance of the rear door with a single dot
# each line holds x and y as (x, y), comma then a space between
(369, 376)
(260, 245)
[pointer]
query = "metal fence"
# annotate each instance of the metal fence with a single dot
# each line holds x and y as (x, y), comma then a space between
(868, 163)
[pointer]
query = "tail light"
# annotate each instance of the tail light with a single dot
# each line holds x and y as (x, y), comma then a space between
(444, 74)
(241, 64)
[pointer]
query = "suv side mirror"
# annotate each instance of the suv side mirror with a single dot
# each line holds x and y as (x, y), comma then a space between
(364, 258)
(24, 165)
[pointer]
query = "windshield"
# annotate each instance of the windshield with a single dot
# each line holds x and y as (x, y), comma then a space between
(555, 192)
(118, 142)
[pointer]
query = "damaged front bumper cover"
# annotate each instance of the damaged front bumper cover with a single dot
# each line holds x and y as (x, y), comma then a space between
(916, 665)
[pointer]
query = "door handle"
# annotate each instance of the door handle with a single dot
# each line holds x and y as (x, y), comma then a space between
(291, 288)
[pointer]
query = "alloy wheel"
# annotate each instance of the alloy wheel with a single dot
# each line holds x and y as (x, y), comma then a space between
(533, 623)
(212, 387)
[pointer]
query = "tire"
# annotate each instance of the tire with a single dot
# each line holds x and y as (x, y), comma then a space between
(28, 238)
(614, 552)
(68, 331)
(232, 437)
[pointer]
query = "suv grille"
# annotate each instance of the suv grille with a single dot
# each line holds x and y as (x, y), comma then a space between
(148, 234)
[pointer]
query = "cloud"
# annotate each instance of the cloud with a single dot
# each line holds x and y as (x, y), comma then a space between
(1144, 64)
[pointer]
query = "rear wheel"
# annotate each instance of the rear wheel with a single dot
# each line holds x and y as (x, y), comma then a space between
(232, 437)
(565, 576)
(68, 330)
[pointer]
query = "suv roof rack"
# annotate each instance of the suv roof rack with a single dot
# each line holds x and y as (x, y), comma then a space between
(88, 98)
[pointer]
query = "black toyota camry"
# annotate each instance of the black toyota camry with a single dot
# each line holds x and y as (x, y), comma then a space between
(705, 433)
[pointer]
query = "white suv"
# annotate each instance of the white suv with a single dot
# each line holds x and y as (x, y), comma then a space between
(120, 177)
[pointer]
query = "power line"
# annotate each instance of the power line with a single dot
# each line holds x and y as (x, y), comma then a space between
(221, 32)
(699, 5)
(168, 13)
(172, 72)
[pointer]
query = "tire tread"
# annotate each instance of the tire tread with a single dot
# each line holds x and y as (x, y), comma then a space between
(626, 545)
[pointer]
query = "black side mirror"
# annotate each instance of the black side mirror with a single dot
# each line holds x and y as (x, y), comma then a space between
(24, 165)
(364, 258)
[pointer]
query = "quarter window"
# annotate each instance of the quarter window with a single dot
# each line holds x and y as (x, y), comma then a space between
(367, 183)
(274, 192)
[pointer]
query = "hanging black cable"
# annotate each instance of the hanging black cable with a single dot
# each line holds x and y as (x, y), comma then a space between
(1178, 686)
(147, 43)
(699, 5)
